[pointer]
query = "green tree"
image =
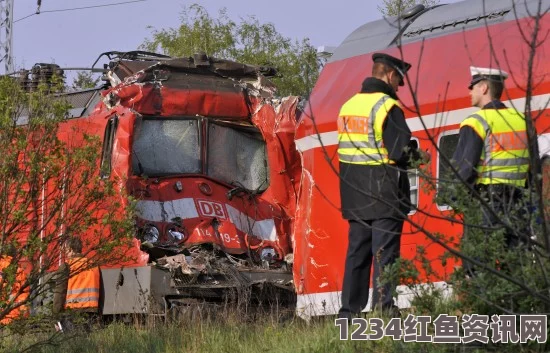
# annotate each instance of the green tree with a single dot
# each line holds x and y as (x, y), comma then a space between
(50, 189)
(84, 80)
(247, 41)
(396, 7)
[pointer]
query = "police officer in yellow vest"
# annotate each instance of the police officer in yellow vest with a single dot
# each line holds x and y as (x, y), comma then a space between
(374, 190)
(492, 153)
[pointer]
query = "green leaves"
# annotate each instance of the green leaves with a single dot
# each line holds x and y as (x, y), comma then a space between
(84, 80)
(396, 7)
(50, 188)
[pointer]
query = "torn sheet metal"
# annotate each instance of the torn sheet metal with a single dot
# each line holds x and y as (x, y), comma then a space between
(186, 264)
(203, 269)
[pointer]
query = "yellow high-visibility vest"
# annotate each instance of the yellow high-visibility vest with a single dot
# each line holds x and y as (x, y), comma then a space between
(83, 288)
(360, 129)
(505, 156)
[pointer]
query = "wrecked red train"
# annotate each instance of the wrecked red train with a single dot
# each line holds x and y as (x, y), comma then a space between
(208, 153)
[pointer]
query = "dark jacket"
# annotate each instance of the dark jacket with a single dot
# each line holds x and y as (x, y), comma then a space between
(374, 192)
(470, 147)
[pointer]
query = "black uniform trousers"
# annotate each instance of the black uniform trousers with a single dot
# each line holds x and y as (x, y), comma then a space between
(505, 202)
(370, 241)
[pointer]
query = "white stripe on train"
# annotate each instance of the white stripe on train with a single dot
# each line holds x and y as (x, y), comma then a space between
(432, 121)
(165, 211)
(328, 303)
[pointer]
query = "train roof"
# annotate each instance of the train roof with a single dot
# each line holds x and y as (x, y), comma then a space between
(125, 64)
(431, 22)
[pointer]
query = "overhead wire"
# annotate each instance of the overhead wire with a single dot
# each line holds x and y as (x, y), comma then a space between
(22, 18)
(79, 8)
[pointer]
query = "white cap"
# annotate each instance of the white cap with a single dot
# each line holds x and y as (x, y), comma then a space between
(488, 72)
(481, 73)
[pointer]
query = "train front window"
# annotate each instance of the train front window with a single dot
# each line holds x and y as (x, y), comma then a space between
(237, 156)
(165, 147)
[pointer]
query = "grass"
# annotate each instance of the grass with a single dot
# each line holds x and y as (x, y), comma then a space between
(231, 332)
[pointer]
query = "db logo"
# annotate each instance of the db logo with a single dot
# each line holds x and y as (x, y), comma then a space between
(211, 209)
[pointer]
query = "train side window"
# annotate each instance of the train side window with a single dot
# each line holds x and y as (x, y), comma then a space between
(447, 146)
(413, 181)
(108, 141)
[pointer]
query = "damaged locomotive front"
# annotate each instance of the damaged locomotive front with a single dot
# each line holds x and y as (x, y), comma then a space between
(208, 153)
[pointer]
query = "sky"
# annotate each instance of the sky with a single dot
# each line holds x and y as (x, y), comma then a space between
(76, 38)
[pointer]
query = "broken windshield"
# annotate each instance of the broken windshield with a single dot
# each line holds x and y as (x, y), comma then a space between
(166, 147)
(237, 156)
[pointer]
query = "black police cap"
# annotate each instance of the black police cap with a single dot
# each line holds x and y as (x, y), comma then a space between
(399, 65)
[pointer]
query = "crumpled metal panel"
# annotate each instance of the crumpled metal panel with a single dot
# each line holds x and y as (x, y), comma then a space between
(95, 125)
(153, 69)
(278, 126)
(155, 99)
(121, 156)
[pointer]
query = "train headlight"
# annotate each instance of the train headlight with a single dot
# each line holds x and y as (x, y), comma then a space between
(175, 235)
(150, 234)
(268, 254)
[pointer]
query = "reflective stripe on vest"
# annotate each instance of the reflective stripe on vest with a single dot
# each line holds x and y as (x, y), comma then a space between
(83, 288)
(505, 156)
(82, 295)
(360, 129)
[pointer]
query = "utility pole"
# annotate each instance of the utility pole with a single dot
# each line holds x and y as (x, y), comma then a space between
(6, 34)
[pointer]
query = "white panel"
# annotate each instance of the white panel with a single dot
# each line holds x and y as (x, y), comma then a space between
(264, 229)
(328, 303)
(156, 211)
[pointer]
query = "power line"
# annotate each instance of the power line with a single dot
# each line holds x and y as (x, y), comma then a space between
(32, 14)
(80, 8)
(94, 6)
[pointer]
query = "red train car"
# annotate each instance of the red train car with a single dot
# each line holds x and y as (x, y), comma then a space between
(441, 43)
